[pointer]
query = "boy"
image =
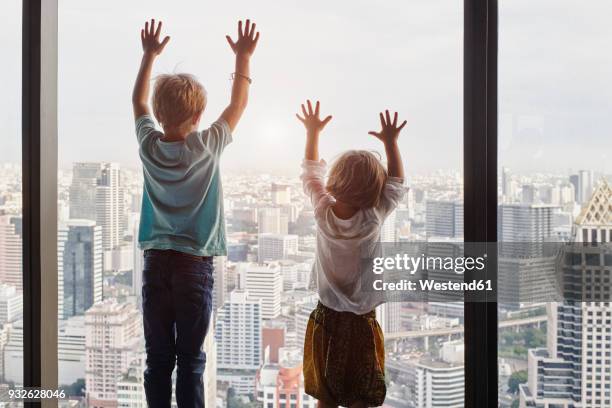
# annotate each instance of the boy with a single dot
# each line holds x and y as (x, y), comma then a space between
(181, 225)
(344, 351)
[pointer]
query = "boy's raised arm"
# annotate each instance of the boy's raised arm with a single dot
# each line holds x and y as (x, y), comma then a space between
(388, 135)
(243, 48)
(151, 47)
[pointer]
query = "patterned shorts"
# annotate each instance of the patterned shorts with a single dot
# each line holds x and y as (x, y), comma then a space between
(344, 358)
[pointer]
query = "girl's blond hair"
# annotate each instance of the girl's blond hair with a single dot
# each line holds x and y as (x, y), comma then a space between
(177, 98)
(357, 178)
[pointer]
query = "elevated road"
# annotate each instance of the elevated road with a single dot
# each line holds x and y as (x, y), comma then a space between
(446, 331)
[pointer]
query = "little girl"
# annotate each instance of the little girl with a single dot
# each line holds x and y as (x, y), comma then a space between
(344, 354)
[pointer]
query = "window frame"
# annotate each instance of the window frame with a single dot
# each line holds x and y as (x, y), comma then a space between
(39, 178)
(39, 186)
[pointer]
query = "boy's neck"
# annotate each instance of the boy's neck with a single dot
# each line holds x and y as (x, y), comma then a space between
(177, 135)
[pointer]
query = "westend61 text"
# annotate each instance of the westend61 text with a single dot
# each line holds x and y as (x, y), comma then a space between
(429, 285)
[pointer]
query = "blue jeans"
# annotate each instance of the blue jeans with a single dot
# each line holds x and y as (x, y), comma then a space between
(177, 303)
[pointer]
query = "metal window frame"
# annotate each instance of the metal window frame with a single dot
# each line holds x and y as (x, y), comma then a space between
(39, 170)
(480, 192)
(39, 179)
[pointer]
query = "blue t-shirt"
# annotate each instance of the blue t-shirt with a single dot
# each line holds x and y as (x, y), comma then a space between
(182, 201)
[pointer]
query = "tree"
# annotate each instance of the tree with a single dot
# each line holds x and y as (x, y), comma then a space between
(517, 378)
(76, 389)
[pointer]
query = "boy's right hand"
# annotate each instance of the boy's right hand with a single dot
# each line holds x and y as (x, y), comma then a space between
(311, 120)
(149, 36)
(247, 40)
(390, 131)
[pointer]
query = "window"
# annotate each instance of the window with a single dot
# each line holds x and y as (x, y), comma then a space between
(554, 99)
(11, 217)
(408, 59)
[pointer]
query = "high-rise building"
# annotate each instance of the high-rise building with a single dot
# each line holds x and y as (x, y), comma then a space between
(220, 279)
(11, 251)
(583, 185)
(265, 283)
(81, 241)
(526, 271)
(238, 336)
(444, 218)
(585, 178)
(112, 332)
(529, 194)
(574, 370)
(275, 247)
(273, 335)
(82, 191)
(526, 223)
(271, 220)
(96, 194)
(508, 186)
(281, 194)
(281, 384)
(388, 232)
(11, 304)
(438, 384)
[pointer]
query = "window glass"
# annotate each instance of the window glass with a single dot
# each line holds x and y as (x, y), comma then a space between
(11, 264)
(357, 61)
(554, 196)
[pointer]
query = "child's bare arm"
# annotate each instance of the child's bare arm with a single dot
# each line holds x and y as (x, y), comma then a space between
(314, 126)
(243, 48)
(388, 135)
(151, 47)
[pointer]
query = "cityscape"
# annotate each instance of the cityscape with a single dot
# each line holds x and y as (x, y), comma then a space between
(262, 300)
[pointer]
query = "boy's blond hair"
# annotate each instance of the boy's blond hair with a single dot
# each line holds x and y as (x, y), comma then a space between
(177, 98)
(357, 178)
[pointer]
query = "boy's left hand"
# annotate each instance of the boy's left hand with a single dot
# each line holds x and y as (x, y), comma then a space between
(150, 38)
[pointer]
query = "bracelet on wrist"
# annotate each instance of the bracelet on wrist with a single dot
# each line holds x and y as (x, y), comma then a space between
(239, 75)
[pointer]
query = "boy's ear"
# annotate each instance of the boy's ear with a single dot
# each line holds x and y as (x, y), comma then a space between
(196, 118)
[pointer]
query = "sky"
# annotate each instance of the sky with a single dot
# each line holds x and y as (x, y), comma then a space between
(357, 57)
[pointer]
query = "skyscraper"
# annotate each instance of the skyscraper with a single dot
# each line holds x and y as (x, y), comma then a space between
(281, 194)
(272, 220)
(11, 304)
(444, 218)
(81, 266)
(526, 223)
(526, 272)
(436, 382)
(11, 251)
(276, 247)
(265, 283)
(96, 194)
(508, 186)
(220, 279)
(238, 335)
(583, 185)
(575, 369)
(112, 332)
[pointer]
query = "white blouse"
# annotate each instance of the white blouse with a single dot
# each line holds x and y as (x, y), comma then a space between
(337, 268)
